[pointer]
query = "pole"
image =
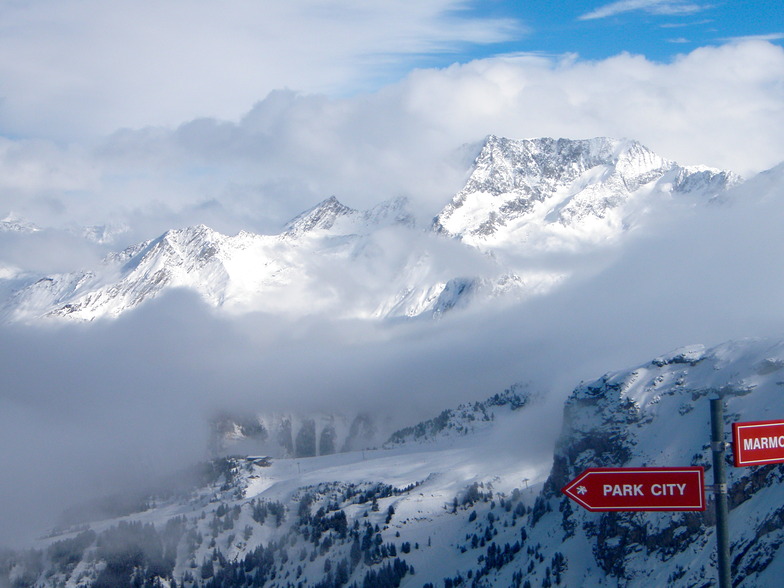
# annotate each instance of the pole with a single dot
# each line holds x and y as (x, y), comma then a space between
(720, 492)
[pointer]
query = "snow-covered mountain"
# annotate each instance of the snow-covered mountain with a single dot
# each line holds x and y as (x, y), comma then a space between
(522, 199)
(299, 271)
(472, 495)
(465, 419)
(558, 194)
(333, 218)
(459, 504)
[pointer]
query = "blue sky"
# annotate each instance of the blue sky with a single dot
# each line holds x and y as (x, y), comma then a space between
(658, 29)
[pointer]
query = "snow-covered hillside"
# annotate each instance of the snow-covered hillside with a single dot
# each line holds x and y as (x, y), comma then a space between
(523, 200)
(372, 517)
(468, 506)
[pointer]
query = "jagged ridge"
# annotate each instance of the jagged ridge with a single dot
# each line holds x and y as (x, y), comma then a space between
(519, 186)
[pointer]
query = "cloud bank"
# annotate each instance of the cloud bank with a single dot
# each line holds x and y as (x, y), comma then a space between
(76, 68)
(719, 106)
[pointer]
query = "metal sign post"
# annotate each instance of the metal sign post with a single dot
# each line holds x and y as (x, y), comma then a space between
(720, 492)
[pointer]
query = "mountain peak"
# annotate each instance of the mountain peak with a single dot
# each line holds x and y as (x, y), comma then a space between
(332, 216)
(560, 189)
(320, 217)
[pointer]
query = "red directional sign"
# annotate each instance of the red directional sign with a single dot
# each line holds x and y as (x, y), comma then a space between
(758, 442)
(607, 489)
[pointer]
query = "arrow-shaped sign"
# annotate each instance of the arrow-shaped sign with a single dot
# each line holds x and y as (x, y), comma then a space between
(665, 489)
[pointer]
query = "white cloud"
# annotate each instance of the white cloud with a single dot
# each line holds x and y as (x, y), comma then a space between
(718, 106)
(769, 37)
(74, 68)
(33, 166)
(665, 7)
(680, 25)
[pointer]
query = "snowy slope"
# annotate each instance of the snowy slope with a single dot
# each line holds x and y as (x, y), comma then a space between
(468, 505)
(365, 508)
